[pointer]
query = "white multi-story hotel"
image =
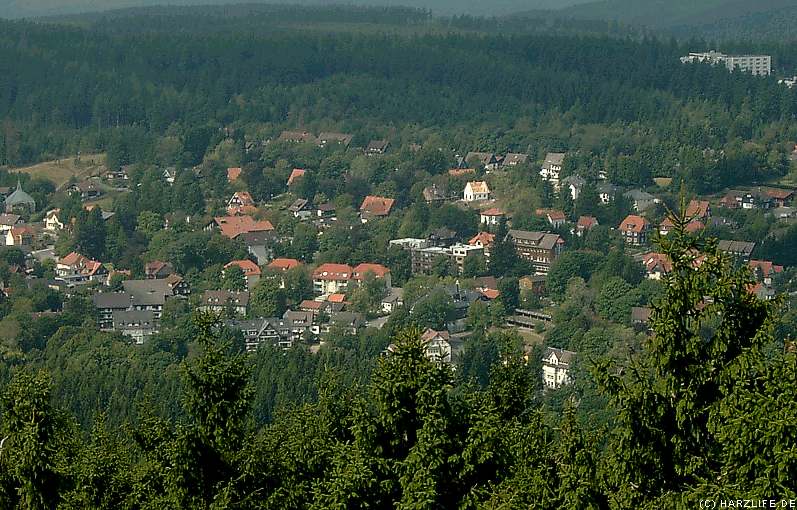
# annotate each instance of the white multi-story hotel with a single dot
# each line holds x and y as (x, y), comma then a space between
(757, 65)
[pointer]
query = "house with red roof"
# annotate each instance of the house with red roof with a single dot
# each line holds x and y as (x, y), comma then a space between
(76, 267)
(698, 210)
(234, 226)
(635, 230)
(295, 174)
(241, 202)
(336, 278)
(656, 265)
(585, 224)
(233, 174)
(483, 240)
(554, 217)
(492, 216)
(250, 270)
(283, 265)
(158, 270)
(764, 270)
(20, 236)
(375, 207)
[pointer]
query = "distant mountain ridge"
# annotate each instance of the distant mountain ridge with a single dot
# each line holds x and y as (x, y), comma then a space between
(671, 13)
(35, 8)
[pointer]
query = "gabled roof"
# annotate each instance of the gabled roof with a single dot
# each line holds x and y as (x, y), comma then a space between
(295, 174)
(478, 187)
(587, 222)
(339, 272)
(484, 158)
(634, 223)
(233, 226)
(343, 138)
(378, 270)
(544, 240)
(482, 239)
(513, 158)
(656, 262)
(233, 174)
(9, 219)
(493, 211)
(562, 355)
(698, 209)
(766, 267)
(743, 247)
(430, 334)
(554, 158)
(456, 172)
(551, 214)
(296, 136)
(248, 267)
(377, 206)
(223, 297)
(283, 264)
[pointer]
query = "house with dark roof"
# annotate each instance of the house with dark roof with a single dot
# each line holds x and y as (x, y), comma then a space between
(19, 201)
(486, 160)
(514, 159)
(540, 248)
(219, 301)
(742, 250)
(330, 138)
(556, 366)
(139, 325)
(376, 147)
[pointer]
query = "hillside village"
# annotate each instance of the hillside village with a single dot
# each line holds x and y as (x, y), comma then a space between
(286, 261)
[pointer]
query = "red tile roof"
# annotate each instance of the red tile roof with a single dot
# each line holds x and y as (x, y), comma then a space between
(698, 209)
(329, 272)
(493, 211)
(233, 226)
(586, 222)
(634, 223)
(377, 206)
(378, 270)
(295, 174)
(336, 298)
(247, 266)
(282, 264)
(233, 174)
(483, 238)
(767, 268)
(491, 293)
(456, 172)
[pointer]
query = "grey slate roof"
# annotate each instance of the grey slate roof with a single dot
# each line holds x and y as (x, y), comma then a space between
(19, 197)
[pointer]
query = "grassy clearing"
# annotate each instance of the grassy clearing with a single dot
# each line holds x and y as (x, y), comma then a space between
(60, 171)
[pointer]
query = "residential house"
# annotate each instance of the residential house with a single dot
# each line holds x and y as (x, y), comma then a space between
(375, 207)
(52, 221)
(220, 301)
(514, 159)
(393, 300)
(258, 244)
(297, 137)
(109, 303)
(434, 194)
(573, 184)
(178, 285)
(539, 248)
(251, 271)
(21, 236)
(331, 138)
(376, 147)
(8, 222)
(556, 366)
(555, 218)
(764, 270)
(86, 190)
(784, 213)
(486, 160)
(283, 265)
(436, 346)
(233, 174)
(552, 168)
(234, 226)
(492, 217)
(699, 210)
(475, 191)
(139, 325)
(326, 212)
(585, 224)
(301, 208)
(762, 291)
(635, 230)
(158, 270)
(241, 202)
(77, 268)
(337, 278)
(640, 316)
(534, 284)
(442, 237)
(483, 240)
(282, 333)
(170, 175)
(738, 249)
(296, 173)
(657, 265)
(732, 200)
(781, 197)
(756, 199)
(641, 200)
(606, 192)
(348, 322)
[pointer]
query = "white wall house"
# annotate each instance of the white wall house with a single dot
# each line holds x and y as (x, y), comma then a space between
(555, 367)
(476, 190)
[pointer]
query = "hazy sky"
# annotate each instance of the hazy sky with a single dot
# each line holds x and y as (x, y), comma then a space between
(16, 8)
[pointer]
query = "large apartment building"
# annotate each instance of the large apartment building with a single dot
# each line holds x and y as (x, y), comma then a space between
(539, 248)
(757, 65)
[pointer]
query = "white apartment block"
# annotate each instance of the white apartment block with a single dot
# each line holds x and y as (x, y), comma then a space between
(757, 65)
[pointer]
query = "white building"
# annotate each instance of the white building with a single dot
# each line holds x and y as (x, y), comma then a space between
(552, 168)
(555, 367)
(789, 82)
(476, 190)
(757, 65)
(52, 222)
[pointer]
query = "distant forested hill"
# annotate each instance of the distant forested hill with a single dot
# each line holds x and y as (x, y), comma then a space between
(17, 8)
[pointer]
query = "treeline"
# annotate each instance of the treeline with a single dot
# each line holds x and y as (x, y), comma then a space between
(685, 422)
(163, 81)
